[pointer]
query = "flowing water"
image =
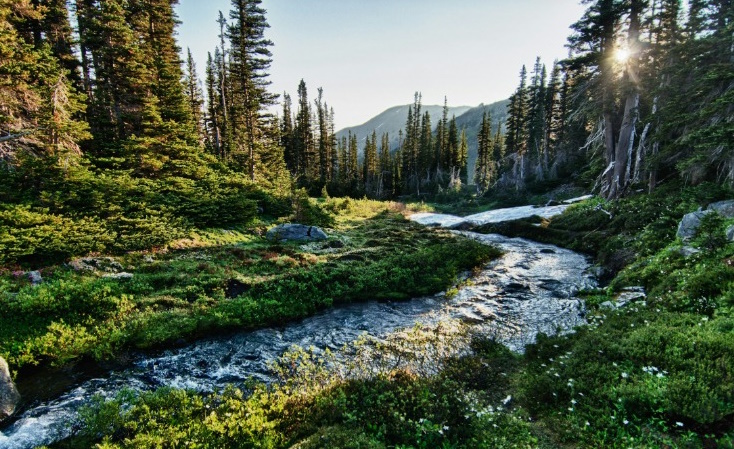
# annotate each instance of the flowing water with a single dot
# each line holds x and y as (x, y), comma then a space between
(530, 289)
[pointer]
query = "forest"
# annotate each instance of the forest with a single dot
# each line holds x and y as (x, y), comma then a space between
(135, 200)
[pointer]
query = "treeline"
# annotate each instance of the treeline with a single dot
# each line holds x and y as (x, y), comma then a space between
(104, 140)
(427, 159)
(646, 94)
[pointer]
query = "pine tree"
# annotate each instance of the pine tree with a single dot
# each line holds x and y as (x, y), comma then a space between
(371, 165)
(287, 135)
(385, 184)
(453, 145)
(464, 157)
(426, 149)
(214, 112)
(303, 146)
(324, 139)
(37, 99)
(250, 60)
(194, 95)
(442, 131)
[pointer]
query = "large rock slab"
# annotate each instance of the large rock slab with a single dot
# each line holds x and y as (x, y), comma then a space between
(9, 396)
(293, 232)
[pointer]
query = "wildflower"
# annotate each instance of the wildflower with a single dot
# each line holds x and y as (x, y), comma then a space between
(573, 401)
(570, 409)
(625, 422)
(587, 423)
(445, 427)
(625, 375)
(507, 400)
(679, 424)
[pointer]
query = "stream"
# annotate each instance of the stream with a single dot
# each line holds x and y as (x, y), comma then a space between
(530, 289)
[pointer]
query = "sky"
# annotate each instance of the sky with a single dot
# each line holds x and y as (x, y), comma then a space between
(369, 55)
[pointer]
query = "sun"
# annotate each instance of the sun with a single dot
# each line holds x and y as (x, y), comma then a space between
(622, 54)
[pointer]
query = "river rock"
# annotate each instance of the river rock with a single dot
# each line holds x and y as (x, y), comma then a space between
(9, 396)
(688, 226)
(295, 232)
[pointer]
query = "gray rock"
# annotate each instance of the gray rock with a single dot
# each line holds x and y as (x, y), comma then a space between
(35, 278)
(295, 232)
(730, 233)
(724, 208)
(630, 294)
(608, 305)
(689, 224)
(688, 251)
(9, 396)
(121, 275)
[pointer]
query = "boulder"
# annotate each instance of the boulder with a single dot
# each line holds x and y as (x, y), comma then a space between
(9, 396)
(730, 233)
(688, 226)
(35, 278)
(295, 232)
(724, 208)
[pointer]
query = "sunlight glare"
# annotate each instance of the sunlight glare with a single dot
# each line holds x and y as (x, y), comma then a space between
(622, 55)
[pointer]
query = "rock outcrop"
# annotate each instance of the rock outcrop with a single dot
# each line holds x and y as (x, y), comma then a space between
(295, 233)
(9, 396)
(688, 226)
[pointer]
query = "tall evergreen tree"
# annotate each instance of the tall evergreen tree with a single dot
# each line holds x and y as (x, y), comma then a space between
(194, 95)
(305, 157)
(250, 59)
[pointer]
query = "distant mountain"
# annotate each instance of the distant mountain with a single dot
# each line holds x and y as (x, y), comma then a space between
(393, 120)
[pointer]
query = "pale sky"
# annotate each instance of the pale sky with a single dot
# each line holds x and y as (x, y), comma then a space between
(369, 55)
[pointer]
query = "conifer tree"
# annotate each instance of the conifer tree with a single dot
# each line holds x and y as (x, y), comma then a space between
(426, 149)
(214, 112)
(370, 165)
(463, 157)
(484, 170)
(194, 95)
(443, 157)
(305, 159)
(250, 60)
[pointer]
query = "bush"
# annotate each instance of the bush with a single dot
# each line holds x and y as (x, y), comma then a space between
(37, 236)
